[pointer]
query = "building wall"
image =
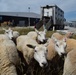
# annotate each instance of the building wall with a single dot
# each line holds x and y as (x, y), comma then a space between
(71, 23)
(18, 21)
(59, 16)
(74, 24)
(48, 12)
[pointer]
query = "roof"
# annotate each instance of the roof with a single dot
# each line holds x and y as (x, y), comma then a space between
(73, 21)
(51, 6)
(21, 14)
(48, 6)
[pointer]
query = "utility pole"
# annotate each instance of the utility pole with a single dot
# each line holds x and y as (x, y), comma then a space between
(29, 17)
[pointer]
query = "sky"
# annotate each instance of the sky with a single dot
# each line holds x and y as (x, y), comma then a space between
(68, 6)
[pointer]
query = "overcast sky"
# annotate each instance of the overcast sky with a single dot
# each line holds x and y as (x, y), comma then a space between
(68, 6)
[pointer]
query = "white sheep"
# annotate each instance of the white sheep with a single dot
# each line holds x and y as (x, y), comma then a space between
(65, 32)
(69, 65)
(31, 49)
(15, 34)
(12, 34)
(8, 56)
(56, 46)
(62, 31)
(69, 41)
(59, 36)
(70, 44)
(8, 32)
(69, 34)
(39, 36)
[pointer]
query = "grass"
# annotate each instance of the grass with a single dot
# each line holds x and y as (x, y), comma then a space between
(25, 30)
(21, 30)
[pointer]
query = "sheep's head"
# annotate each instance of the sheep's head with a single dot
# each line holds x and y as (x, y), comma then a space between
(60, 46)
(40, 54)
(41, 35)
(9, 32)
(69, 34)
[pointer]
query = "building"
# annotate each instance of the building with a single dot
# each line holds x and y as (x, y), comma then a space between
(71, 24)
(19, 18)
(74, 23)
(55, 13)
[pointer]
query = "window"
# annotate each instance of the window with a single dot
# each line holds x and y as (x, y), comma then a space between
(0, 17)
(55, 12)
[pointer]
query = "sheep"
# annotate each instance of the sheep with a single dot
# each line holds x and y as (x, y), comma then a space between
(70, 44)
(70, 63)
(69, 34)
(59, 36)
(62, 31)
(69, 69)
(3, 37)
(9, 30)
(12, 34)
(8, 56)
(31, 49)
(66, 32)
(39, 36)
(8, 33)
(15, 34)
(56, 46)
(69, 41)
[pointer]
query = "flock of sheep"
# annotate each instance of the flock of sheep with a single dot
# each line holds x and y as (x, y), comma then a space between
(34, 45)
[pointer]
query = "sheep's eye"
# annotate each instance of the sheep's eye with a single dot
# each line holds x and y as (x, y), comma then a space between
(39, 34)
(6, 32)
(65, 46)
(57, 45)
(46, 50)
(35, 51)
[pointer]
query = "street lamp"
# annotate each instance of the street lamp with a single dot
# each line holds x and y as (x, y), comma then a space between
(29, 9)
(29, 17)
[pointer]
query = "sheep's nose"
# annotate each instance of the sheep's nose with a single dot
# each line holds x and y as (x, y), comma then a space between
(44, 40)
(45, 64)
(63, 54)
(13, 38)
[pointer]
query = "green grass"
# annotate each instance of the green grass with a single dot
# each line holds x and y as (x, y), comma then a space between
(24, 31)
(21, 30)
(49, 33)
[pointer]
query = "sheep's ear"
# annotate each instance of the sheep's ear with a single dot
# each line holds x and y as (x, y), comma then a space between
(31, 46)
(3, 29)
(45, 30)
(36, 31)
(46, 44)
(9, 28)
